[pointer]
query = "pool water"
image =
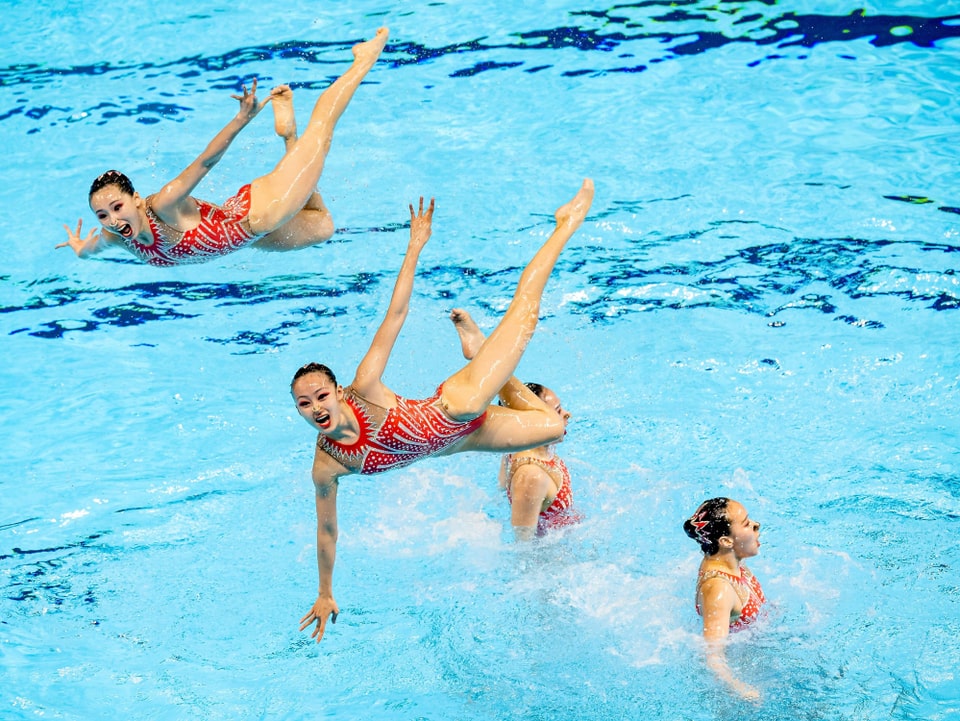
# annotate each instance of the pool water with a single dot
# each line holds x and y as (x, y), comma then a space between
(762, 304)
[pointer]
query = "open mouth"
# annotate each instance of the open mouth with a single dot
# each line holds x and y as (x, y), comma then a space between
(124, 230)
(322, 420)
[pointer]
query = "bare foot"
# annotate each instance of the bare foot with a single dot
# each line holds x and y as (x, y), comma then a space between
(471, 337)
(573, 212)
(284, 120)
(367, 52)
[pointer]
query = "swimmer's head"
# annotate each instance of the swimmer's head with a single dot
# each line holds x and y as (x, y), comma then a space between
(536, 388)
(314, 368)
(551, 399)
(112, 177)
(709, 524)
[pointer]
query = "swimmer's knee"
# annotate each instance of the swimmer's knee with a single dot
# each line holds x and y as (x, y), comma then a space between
(461, 410)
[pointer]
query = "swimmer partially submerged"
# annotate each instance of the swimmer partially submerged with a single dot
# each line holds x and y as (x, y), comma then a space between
(366, 428)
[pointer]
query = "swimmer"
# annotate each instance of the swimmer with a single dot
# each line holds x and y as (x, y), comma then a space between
(537, 481)
(281, 210)
(729, 597)
(366, 428)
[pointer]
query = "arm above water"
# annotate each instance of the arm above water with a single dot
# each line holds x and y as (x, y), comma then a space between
(530, 487)
(173, 199)
(370, 371)
(95, 241)
(717, 601)
(325, 482)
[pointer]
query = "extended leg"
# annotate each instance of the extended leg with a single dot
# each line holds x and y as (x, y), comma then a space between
(278, 196)
(313, 224)
(470, 390)
(522, 421)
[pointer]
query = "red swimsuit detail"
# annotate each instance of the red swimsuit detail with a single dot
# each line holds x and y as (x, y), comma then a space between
(748, 589)
(560, 511)
(222, 230)
(396, 437)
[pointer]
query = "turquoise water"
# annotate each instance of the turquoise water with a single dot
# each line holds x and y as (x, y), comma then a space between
(762, 304)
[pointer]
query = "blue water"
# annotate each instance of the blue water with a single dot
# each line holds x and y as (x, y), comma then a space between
(761, 304)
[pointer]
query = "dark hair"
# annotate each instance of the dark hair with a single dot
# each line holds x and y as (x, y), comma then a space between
(537, 389)
(314, 368)
(709, 524)
(112, 177)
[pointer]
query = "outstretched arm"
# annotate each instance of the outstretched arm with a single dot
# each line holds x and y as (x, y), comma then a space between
(325, 606)
(167, 202)
(717, 602)
(370, 371)
(95, 241)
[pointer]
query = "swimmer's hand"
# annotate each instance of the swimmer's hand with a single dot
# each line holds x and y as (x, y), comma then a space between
(324, 606)
(420, 225)
(249, 107)
(81, 246)
(746, 691)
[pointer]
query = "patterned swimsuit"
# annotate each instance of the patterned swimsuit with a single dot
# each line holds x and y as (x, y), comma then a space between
(748, 590)
(222, 230)
(560, 512)
(396, 437)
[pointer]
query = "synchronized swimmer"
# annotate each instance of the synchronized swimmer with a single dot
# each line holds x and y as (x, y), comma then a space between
(366, 428)
(281, 210)
(729, 597)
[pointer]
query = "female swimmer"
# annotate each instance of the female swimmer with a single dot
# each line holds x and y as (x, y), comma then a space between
(536, 480)
(729, 597)
(278, 211)
(366, 428)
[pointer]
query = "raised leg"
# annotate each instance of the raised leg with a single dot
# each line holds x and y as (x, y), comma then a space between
(277, 197)
(470, 390)
(313, 224)
(513, 394)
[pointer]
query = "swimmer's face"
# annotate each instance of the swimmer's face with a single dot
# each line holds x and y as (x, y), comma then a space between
(318, 400)
(551, 399)
(744, 531)
(117, 211)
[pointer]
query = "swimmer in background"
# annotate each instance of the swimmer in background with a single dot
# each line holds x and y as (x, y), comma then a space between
(277, 211)
(366, 428)
(729, 597)
(536, 480)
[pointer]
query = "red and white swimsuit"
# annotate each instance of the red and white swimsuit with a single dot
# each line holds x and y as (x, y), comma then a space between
(396, 437)
(560, 511)
(222, 230)
(748, 590)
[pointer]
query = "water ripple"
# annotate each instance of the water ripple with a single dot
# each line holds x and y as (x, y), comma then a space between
(656, 31)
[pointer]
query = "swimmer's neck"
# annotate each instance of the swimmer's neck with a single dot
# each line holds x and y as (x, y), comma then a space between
(725, 561)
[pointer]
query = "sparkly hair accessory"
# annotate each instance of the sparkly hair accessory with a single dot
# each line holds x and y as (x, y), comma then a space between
(698, 522)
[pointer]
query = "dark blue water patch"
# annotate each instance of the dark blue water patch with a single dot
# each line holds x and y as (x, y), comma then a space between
(142, 303)
(769, 279)
(666, 30)
(775, 279)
